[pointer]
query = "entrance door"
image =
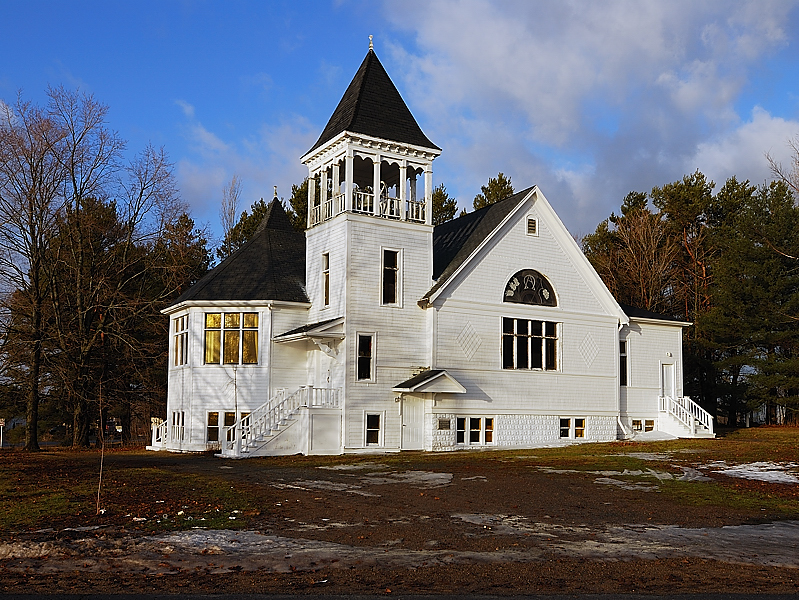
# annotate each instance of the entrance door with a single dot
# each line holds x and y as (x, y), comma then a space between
(667, 382)
(412, 424)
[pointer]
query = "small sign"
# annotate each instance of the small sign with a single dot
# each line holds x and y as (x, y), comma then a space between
(2, 422)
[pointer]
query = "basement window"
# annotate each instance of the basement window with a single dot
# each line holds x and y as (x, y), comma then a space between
(572, 428)
(474, 430)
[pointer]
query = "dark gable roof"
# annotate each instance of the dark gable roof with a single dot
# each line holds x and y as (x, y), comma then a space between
(271, 266)
(420, 378)
(454, 241)
(634, 311)
(372, 106)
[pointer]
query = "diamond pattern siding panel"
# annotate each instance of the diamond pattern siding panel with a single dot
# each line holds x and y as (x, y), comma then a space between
(588, 349)
(469, 340)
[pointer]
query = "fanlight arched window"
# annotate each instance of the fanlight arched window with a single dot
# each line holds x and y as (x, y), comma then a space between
(530, 287)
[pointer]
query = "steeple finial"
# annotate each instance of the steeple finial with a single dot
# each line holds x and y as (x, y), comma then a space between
(371, 45)
(275, 191)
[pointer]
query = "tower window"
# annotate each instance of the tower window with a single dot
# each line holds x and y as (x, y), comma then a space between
(391, 277)
(365, 355)
(326, 278)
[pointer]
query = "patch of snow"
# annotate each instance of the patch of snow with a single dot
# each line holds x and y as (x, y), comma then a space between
(627, 485)
(418, 479)
(691, 474)
(356, 467)
(650, 456)
(769, 472)
(653, 436)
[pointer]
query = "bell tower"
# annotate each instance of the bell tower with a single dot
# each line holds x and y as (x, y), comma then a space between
(369, 249)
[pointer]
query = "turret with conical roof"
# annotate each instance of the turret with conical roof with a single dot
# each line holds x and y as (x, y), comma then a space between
(382, 150)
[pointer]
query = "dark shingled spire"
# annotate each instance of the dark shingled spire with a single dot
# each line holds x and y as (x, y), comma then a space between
(372, 106)
(271, 266)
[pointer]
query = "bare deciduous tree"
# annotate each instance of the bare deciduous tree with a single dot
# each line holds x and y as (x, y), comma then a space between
(790, 174)
(30, 182)
(228, 212)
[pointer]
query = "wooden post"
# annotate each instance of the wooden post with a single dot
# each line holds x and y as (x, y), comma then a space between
(336, 186)
(428, 194)
(402, 185)
(376, 185)
(348, 180)
(311, 194)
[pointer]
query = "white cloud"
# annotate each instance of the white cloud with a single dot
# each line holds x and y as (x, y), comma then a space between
(267, 158)
(741, 152)
(593, 98)
(188, 109)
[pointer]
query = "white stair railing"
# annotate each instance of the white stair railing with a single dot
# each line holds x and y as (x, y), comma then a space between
(687, 412)
(256, 427)
(160, 434)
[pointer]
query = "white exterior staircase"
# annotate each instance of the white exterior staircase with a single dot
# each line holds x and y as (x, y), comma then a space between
(254, 433)
(684, 418)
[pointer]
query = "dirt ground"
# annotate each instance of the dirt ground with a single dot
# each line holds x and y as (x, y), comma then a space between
(620, 518)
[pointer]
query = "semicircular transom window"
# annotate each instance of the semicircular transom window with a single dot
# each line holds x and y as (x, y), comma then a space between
(530, 287)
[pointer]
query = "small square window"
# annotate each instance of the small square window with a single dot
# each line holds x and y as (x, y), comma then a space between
(649, 425)
(637, 425)
(565, 427)
(579, 428)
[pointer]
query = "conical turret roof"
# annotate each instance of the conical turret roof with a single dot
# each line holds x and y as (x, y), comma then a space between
(271, 266)
(372, 106)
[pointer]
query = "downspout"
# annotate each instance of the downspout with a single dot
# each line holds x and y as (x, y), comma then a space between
(269, 391)
(627, 434)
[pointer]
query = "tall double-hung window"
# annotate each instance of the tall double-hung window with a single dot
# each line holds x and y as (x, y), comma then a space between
(231, 338)
(181, 346)
(529, 344)
(391, 277)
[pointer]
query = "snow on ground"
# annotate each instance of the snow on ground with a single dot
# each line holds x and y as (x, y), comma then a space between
(770, 472)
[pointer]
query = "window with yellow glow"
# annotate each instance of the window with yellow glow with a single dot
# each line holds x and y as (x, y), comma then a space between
(231, 338)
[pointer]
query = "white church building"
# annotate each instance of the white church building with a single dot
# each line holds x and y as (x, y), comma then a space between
(374, 331)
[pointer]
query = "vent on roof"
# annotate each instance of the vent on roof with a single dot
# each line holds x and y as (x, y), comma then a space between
(532, 226)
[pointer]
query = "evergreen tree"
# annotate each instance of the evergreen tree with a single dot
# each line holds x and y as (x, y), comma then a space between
(444, 205)
(297, 210)
(243, 230)
(498, 188)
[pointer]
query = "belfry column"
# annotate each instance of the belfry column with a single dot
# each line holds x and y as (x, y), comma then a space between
(336, 191)
(428, 194)
(311, 194)
(323, 193)
(403, 186)
(348, 175)
(376, 185)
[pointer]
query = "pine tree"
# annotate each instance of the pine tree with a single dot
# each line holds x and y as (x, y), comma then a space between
(498, 188)
(444, 205)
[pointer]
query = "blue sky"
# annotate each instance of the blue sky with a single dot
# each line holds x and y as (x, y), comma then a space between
(589, 100)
